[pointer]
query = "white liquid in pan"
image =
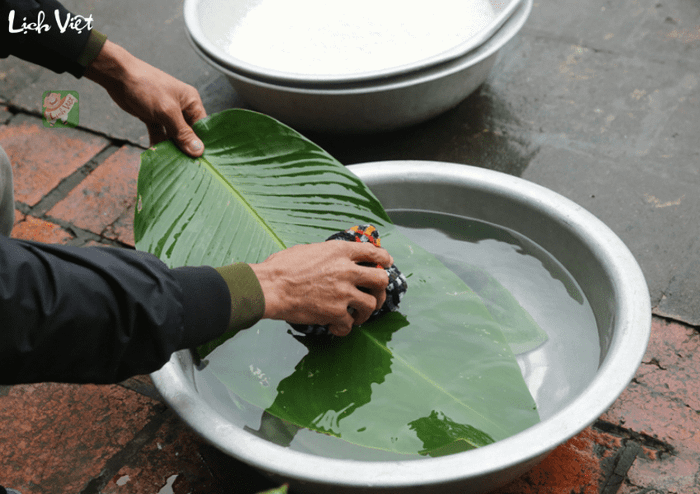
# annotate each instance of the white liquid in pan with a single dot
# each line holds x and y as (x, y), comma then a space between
(323, 37)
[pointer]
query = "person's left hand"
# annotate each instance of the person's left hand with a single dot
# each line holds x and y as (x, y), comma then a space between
(167, 106)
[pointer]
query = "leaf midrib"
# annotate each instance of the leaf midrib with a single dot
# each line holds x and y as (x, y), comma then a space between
(428, 379)
(217, 174)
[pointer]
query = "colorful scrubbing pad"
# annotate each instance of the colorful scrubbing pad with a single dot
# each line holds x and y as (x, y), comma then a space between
(394, 290)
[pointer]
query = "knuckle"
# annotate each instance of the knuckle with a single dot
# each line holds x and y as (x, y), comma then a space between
(183, 134)
(338, 312)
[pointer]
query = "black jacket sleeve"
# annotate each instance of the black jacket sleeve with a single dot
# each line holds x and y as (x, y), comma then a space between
(100, 314)
(57, 45)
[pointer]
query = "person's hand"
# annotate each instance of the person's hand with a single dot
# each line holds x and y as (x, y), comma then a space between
(318, 283)
(166, 105)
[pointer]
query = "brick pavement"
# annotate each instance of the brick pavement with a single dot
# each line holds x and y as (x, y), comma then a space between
(76, 187)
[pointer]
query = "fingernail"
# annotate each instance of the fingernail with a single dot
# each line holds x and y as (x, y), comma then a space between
(196, 145)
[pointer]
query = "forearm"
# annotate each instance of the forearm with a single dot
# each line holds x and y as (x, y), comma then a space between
(99, 314)
(114, 66)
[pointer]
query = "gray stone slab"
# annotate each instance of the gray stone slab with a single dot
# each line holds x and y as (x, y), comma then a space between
(615, 133)
(663, 30)
(680, 301)
(462, 135)
(97, 111)
(656, 219)
(545, 91)
(575, 97)
(677, 148)
(5, 115)
(15, 75)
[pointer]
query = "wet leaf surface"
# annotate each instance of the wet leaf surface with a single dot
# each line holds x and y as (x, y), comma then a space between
(435, 378)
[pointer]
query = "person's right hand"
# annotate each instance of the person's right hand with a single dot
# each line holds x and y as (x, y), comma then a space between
(318, 283)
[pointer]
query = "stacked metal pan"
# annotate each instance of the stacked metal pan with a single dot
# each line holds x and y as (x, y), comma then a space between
(411, 86)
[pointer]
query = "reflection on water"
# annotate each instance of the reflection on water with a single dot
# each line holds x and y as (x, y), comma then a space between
(486, 258)
(443, 436)
(329, 372)
(557, 371)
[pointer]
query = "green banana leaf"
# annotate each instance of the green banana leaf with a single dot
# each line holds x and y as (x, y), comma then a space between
(448, 237)
(283, 489)
(434, 378)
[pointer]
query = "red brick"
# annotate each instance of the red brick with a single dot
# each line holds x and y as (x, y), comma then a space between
(123, 228)
(660, 402)
(655, 415)
(176, 456)
(42, 157)
(572, 467)
(105, 197)
(673, 475)
(57, 437)
(31, 228)
(171, 455)
(672, 360)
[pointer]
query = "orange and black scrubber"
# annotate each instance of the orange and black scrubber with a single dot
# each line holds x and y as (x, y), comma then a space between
(394, 291)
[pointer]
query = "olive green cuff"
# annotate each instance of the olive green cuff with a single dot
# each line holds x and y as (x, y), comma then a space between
(93, 47)
(247, 299)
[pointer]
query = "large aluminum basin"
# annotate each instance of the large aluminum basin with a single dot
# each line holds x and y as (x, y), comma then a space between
(602, 265)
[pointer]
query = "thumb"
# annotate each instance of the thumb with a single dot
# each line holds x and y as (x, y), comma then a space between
(184, 137)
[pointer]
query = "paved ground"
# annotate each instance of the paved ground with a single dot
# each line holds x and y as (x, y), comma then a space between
(596, 100)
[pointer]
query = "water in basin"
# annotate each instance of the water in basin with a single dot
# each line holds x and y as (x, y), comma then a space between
(555, 372)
